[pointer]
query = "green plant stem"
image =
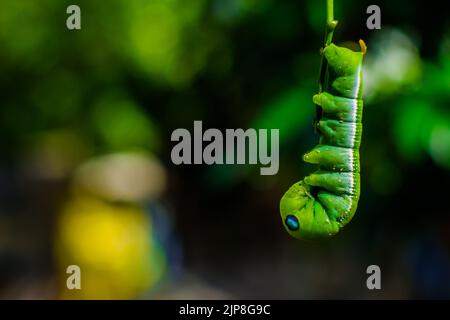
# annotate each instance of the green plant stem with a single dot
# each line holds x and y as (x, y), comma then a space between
(329, 31)
(331, 23)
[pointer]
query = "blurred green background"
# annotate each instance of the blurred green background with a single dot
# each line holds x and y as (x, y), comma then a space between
(85, 170)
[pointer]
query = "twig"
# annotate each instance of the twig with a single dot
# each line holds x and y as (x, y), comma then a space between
(329, 31)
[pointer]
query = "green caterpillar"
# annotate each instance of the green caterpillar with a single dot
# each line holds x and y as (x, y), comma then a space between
(326, 200)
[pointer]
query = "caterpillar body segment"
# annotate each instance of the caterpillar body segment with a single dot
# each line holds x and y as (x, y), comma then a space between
(330, 158)
(326, 200)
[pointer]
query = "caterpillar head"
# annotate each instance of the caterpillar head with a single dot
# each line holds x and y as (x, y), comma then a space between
(303, 216)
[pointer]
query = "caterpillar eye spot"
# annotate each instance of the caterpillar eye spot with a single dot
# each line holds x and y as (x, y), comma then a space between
(292, 223)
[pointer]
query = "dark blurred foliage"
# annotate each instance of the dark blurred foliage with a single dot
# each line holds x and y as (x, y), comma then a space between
(139, 69)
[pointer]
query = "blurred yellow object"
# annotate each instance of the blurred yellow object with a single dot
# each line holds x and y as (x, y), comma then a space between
(112, 245)
(126, 177)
